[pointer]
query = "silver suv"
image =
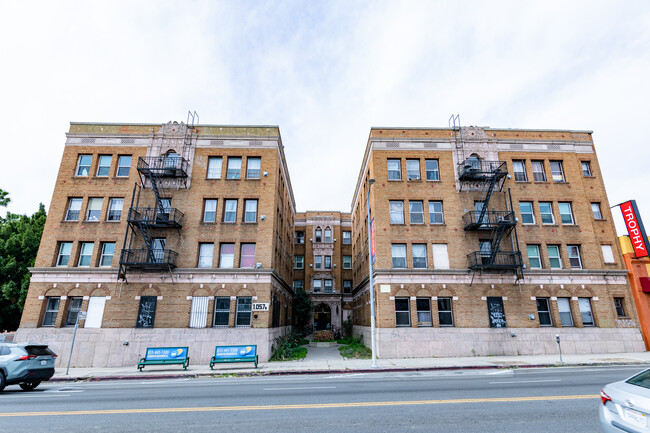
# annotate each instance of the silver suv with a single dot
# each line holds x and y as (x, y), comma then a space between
(26, 364)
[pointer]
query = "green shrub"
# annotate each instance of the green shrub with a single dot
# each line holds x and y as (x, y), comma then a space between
(288, 347)
(354, 348)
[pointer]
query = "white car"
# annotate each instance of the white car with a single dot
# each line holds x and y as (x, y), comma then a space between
(626, 405)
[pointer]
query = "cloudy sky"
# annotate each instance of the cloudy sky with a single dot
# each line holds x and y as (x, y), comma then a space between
(325, 72)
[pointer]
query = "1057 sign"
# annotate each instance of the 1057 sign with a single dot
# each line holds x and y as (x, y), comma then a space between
(261, 306)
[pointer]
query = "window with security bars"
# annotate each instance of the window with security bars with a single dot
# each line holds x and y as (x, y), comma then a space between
(423, 306)
(445, 314)
(539, 173)
(115, 209)
(51, 310)
(221, 312)
(402, 312)
(199, 311)
(394, 169)
(519, 170)
(243, 314)
(74, 307)
(544, 312)
(253, 167)
(74, 207)
(620, 307)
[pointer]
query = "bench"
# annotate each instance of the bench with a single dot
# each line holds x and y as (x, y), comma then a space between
(234, 354)
(164, 356)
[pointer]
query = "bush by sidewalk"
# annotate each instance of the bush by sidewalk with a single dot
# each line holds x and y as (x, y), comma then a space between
(289, 347)
(354, 348)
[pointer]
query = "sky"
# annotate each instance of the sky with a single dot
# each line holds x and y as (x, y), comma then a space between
(325, 72)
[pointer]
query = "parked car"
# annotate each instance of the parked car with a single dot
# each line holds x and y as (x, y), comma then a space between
(25, 364)
(626, 405)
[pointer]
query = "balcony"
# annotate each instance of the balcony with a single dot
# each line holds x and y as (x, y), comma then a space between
(490, 220)
(501, 260)
(474, 169)
(156, 217)
(163, 166)
(148, 259)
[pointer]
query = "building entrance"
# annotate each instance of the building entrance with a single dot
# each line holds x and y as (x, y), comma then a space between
(322, 318)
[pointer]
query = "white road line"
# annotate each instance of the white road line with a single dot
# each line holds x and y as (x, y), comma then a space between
(500, 372)
(297, 388)
(11, 397)
(529, 381)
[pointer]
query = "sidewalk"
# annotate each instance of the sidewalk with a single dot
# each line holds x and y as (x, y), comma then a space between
(325, 360)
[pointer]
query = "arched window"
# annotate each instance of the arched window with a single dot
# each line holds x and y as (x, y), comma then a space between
(171, 159)
(318, 234)
(328, 235)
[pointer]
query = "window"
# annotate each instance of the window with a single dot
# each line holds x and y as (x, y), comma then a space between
(123, 165)
(586, 168)
(564, 307)
(440, 256)
(243, 317)
(106, 257)
(423, 306)
(396, 212)
(94, 209)
(402, 312)
(399, 256)
(247, 259)
(253, 167)
(234, 168)
(496, 313)
(171, 160)
(51, 310)
(250, 211)
(480, 216)
(199, 311)
(557, 172)
(95, 312)
(554, 256)
(527, 215)
(164, 207)
(419, 256)
(298, 262)
(595, 209)
(104, 165)
(566, 213)
(519, 169)
(534, 260)
(210, 210)
(74, 207)
(221, 312)
(585, 311)
(115, 209)
(574, 256)
(158, 249)
(65, 248)
(416, 212)
(608, 254)
(299, 237)
(445, 315)
(328, 235)
(347, 262)
(214, 167)
(486, 251)
(85, 253)
(328, 262)
(206, 251)
(413, 169)
(436, 215)
(347, 238)
(146, 312)
(544, 312)
(230, 211)
(227, 256)
(317, 285)
(546, 212)
(431, 168)
(298, 285)
(318, 262)
(620, 308)
(74, 307)
(319, 235)
(539, 174)
(347, 286)
(394, 169)
(83, 165)
(328, 285)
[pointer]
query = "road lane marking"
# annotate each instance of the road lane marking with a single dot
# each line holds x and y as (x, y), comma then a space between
(296, 388)
(529, 381)
(300, 406)
(11, 397)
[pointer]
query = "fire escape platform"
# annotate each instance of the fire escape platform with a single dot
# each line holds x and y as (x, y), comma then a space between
(163, 166)
(155, 218)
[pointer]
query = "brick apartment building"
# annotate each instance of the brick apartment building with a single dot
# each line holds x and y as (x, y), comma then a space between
(488, 241)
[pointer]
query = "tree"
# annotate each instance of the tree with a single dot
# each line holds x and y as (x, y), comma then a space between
(20, 237)
(302, 309)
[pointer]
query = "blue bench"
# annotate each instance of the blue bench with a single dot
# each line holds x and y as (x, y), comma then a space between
(164, 356)
(234, 354)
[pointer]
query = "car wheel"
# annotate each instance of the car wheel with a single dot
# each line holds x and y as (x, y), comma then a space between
(2, 381)
(28, 386)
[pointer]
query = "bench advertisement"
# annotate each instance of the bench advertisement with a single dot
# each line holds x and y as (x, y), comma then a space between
(228, 352)
(166, 353)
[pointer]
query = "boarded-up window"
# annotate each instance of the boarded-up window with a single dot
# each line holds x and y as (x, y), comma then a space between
(95, 312)
(146, 312)
(496, 312)
(440, 256)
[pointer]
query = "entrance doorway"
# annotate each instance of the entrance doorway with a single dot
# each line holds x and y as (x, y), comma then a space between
(322, 318)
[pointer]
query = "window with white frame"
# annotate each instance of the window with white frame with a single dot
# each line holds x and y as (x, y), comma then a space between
(608, 254)
(94, 209)
(164, 208)
(104, 165)
(214, 167)
(544, 312)
(83, 165)
(445, 314)
(394, 169)
(318, 262)
(436, 215)
(230, 211)
(319, 235)
(595, 210)
(423, 306)
(234, 168)
(328, 235)
(298, 285)
(396, 211)
(243, 314)
(402, 312)
(554, 259)
(199, 311)
(74, 208)
(519, 170)
(250, 211)
(85, 253)
(123, 165)
(586, 168)
(527, 214)
(206, 252)
(51, 310)
(419, 256)
(299, 262)
(413, 169)
(416, 212)
(546, 212)
(74, 307)
(557, 171)
(347, 238)
(227, 256)
(431, 168)
(221, 311)
(327, 285)
(585, 311)
(247, 259)
(574, 256)
(210, 210)
(347, 262)
(65, 248)
(115, 209)
(539, 173)
(534, 259)
(318, 285)
(253, 167)
(440, 256)
(566, 213)
(328, 262)
(399, 256)
(106, 257)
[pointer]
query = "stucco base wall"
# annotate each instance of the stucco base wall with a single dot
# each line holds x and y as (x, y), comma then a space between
(106, 348)
(447, 342)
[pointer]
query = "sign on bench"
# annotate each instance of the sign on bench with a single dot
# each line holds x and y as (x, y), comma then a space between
(165, 355)
(234, 354)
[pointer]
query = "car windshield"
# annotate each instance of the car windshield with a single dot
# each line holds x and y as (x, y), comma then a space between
(38, 350)
(642, 379)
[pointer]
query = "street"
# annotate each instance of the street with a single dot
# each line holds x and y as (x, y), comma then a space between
(524, 400)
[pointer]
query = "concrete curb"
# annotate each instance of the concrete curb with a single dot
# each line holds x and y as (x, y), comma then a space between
(336, 371)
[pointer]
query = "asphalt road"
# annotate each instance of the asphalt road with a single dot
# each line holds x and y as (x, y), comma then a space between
(525, 400)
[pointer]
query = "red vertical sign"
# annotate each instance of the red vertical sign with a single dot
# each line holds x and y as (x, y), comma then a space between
(372, 240)
(635, 228)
